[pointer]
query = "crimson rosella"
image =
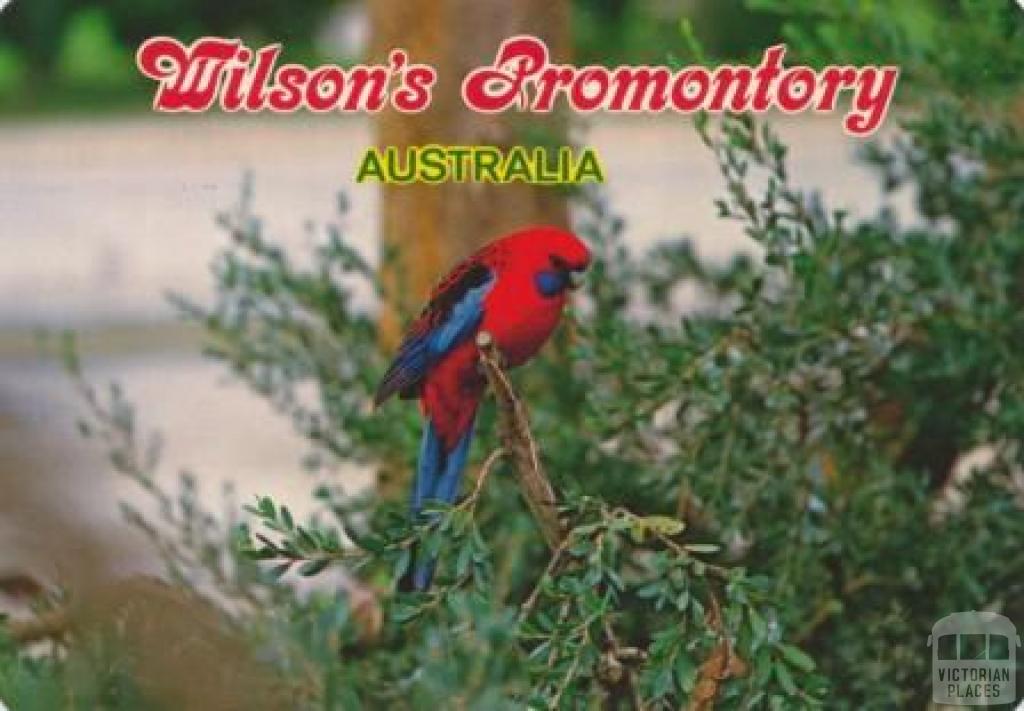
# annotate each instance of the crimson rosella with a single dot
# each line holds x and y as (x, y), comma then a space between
(514, 288)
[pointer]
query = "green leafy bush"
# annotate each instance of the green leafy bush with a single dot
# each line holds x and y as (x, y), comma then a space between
(971, 47)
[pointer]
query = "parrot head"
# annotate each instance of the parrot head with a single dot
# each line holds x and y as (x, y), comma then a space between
(554, 259)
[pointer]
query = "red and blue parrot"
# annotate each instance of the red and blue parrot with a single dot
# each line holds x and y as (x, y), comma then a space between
(515, 289)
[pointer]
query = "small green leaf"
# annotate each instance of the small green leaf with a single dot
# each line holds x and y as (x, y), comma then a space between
(462, 562)
(662, 683)
(683, 600)
(266, 507)
(685, 672)
(665, 525)
(306, 539)
(797, 657)
(402, 563)
(404, 613)
(312, 567)
(785, 679)
(758, 626)
(651, 590)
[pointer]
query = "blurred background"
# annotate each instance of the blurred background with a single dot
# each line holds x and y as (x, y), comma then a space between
(106, 207)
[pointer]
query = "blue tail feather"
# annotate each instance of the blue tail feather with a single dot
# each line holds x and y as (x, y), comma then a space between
(429, 468)
(447, 487)
(438, 477)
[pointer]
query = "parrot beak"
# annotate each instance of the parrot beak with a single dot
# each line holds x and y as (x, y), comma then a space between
(576, 278)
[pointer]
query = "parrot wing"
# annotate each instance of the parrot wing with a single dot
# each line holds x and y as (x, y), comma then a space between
(453, 313)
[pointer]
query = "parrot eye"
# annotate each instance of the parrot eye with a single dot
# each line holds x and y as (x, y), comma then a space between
(559, 264)
(570, 277)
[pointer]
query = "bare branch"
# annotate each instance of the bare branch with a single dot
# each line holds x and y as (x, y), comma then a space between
(519, 443)
(721, 665)
(49, 625)
(481, 477)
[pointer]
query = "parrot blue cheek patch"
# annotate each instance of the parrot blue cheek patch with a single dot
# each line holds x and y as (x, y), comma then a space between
(550, 283)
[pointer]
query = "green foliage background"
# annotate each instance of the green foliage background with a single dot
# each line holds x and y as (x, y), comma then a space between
(770, 479)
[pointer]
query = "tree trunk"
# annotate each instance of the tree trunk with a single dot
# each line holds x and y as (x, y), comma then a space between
(427, 228)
